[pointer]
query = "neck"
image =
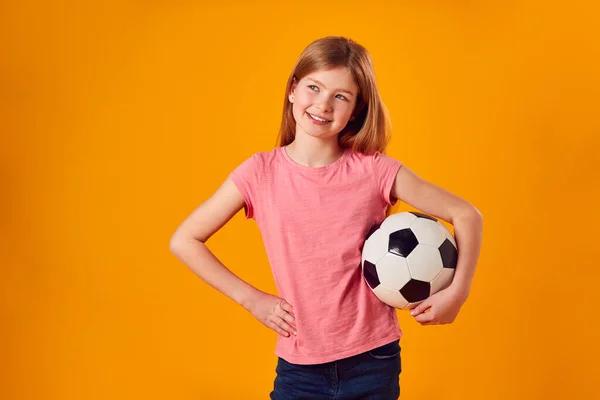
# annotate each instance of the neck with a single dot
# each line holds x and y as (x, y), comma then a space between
(314, 152)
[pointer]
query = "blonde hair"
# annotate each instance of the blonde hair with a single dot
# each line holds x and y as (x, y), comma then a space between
(370, 131)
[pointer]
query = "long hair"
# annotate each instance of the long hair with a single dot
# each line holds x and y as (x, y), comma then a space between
(370, 131)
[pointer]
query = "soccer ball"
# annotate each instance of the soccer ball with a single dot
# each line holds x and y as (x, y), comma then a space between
(409, 257)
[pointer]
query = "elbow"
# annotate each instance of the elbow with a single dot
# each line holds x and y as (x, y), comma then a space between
(479, 215)
(476, 214)
(179, 241)
(471, 213)
(175, 244)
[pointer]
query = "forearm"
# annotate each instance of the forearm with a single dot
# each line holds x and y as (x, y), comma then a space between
(468, 230)
(198, 258)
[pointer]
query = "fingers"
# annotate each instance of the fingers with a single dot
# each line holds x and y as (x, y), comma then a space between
(278, 329)
(282, 320)
(420, 308)
(286, 307)
(280, 326)
(425, 318)
(423, 313)
(285, 312)
(285, 327)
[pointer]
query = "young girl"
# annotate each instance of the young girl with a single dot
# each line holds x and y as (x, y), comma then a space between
(314, 198)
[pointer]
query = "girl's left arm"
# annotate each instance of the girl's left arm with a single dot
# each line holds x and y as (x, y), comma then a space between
(442, 307)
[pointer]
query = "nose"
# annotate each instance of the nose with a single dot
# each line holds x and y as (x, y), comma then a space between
(324, 104)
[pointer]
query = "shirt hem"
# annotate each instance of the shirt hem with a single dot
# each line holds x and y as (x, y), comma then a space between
(320, 359)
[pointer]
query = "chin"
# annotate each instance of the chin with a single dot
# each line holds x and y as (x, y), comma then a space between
(320, 135)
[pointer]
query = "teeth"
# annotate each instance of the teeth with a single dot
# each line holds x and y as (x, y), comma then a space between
(317, 118)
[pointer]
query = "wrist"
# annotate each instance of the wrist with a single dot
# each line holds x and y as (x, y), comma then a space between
(247, 297)
(460, 289)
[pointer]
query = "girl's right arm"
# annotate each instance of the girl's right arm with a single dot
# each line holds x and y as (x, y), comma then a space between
(188, 245)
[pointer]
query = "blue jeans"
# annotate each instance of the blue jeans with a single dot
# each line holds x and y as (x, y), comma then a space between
(372, 375)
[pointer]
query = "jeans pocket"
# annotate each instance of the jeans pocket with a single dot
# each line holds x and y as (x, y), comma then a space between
(387, 351)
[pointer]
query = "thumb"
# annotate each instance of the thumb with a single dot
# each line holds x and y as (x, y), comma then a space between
(424, 305)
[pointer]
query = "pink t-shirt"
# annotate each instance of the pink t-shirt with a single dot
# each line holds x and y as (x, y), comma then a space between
(313, 222)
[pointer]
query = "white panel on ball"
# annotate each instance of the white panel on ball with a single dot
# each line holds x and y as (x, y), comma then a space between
(443, 280)
(392, 271)
(424, 263)
(390, 297)
(376, 246)
(398, 221)
(428, 232)
(448, 234)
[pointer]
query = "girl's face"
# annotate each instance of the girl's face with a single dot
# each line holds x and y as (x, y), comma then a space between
(323, 102)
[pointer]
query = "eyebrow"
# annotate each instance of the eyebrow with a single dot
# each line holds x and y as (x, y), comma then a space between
(336, 90)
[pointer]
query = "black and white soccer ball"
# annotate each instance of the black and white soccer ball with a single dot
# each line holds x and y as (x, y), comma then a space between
(409, 257)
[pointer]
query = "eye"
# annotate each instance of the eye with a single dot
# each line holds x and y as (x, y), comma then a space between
(341, 97)
(313, 86)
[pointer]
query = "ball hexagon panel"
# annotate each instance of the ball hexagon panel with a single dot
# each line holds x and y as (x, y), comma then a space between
(421, 215)
(376, 246)
(443, 280)
(428, 232)
(424, 263)
(398, 221)
(392, 271)
(390, 297)
(402, 242)
(448, 234)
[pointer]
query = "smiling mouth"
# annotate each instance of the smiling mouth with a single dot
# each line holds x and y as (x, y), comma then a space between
(317, 118)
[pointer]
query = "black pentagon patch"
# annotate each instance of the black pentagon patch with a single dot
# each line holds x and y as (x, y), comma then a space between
(370, 273)
(416, 290)
(421, 215)
(449, 254)
(402, 242)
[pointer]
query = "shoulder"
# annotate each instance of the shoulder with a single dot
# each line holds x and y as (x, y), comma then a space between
(257, 163)
(375, 161)
(266, 159)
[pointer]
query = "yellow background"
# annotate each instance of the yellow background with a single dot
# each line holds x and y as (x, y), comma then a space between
(119, 117)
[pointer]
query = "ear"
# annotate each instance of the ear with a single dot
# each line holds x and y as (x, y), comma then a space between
(293, 89)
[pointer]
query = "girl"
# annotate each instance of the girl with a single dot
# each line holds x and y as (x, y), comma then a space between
(314, 198)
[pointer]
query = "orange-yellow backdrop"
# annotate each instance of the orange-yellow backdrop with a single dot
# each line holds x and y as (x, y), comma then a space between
(119, 117)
